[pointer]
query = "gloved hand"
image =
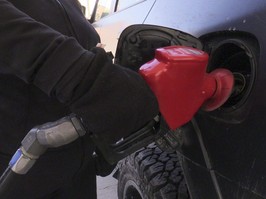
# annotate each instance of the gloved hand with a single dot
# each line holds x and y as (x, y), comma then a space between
(117, 103)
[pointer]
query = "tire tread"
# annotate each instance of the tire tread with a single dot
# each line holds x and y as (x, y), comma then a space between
(157, 173)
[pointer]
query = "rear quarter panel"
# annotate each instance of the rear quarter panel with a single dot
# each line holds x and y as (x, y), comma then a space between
(111, 26)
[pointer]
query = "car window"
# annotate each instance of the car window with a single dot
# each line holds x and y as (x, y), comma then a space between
(122, 4)
(104, 8)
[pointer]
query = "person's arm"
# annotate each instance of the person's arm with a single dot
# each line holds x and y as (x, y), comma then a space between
(36, 53)
(110, 99)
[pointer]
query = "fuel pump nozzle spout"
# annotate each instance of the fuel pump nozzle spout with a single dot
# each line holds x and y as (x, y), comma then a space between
(177, 76)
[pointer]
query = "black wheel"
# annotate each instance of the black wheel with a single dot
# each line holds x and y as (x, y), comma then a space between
(151, 174)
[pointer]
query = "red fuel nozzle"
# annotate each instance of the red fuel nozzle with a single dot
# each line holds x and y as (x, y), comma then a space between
(177, 76)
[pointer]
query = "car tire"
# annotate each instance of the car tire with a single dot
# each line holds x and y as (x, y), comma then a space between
(151, 173)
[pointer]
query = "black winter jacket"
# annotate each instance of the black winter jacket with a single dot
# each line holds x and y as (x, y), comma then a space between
(47, 71)
(33, 55)
(41, 56)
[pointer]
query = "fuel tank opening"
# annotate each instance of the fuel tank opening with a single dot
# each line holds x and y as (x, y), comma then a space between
(237, 56)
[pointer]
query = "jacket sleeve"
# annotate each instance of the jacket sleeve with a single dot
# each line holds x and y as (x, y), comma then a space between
(38, 54)
(109, 98)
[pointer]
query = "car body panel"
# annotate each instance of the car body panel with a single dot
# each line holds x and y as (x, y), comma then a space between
(200, 17)
(111, 26)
